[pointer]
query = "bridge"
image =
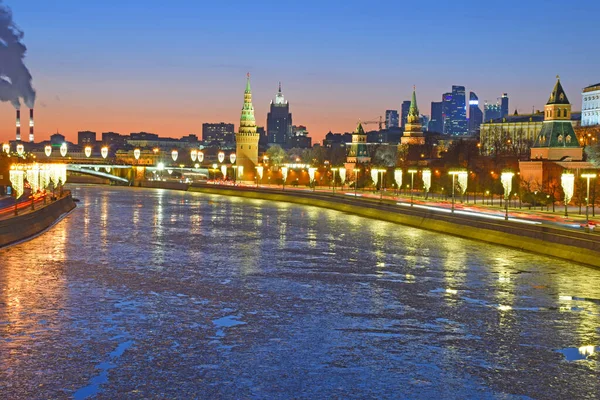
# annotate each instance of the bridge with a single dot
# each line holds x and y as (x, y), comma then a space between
(115, 172)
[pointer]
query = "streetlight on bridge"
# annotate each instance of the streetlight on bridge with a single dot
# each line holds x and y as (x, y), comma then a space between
(506, 179)
(412, 173)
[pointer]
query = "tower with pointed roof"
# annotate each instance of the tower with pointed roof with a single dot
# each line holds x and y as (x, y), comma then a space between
(557, 139)
(247, 138)
(358, 149)
(413, 131)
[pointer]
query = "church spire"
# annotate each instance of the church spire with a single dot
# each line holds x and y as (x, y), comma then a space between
(558, 95)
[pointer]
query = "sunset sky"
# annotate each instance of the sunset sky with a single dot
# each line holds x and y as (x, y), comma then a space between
(169, 66)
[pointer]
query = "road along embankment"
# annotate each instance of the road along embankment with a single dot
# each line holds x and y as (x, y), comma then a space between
(33, 222)
(580, 247)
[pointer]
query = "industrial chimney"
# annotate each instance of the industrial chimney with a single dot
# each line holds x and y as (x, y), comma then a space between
(18, 125)
(31, 125)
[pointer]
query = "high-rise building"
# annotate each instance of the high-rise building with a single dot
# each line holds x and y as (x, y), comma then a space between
(475, 114)
(436, 124)
(300, 138)
(455, 122)
(247, 138)
(590, 106)
(446, 111)
(86, 138)
(491, 112)
(391, 119)
(504, 105)
(405, 108)
(279, 120)
(114, 140)
(218, 132)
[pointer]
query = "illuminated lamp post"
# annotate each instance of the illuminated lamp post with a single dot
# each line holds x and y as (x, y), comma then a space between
(588, 176)
(221, 157)
(342, 173)
(63, 149)
(311, 176)
(567, 181)
(412, 173)
(284, 174)
(356, 171)
(334, 170)
(454, 174)
(235, 176)
(398, 179)
(259, 173)
(383, 171)
(104, 152)
(48, 150)
(215, 167)
(200, 156)
(426, 182)
(506, 179)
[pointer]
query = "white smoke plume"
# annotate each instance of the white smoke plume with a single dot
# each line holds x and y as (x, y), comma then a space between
(15, 79)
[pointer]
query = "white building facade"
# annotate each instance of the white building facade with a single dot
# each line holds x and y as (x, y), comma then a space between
(590, 107)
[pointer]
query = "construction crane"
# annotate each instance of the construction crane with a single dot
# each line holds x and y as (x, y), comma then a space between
(380, 122)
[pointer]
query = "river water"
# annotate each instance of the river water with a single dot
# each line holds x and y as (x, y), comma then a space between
(162, 294)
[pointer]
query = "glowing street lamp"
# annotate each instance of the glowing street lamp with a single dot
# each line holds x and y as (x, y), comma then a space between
(588, 176)
(311, 176)
(174, 155)
(87, 151)
(334, 170)
(342, 172)
(6, 148)
(398, 178)
(412, 173)
(63, 149)
(567, 181)
(200, 157)
(259, 173)
(383, 171)
(426, 181)
(232, 158)
(284, 174)
(356, 171)
(221, 157)
(137, 153)
(48, 150)
(104, 152)
(194, 155)
(20, 149)
(506, 179)
(454, 175)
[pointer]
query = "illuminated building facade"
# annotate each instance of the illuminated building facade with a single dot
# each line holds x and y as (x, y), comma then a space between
(279, 120)
(358, 152)
(590, 108)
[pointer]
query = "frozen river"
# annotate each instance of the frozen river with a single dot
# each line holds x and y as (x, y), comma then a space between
(161, 294)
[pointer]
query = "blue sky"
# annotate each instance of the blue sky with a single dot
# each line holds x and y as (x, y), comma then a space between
(168, 67)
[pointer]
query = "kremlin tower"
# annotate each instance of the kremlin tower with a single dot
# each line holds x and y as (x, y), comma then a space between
(413, 132)
(247, 137)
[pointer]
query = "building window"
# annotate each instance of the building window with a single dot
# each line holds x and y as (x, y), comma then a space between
(569, 139)
(560, 138)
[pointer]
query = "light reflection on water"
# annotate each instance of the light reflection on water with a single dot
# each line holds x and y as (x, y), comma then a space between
(370, 308)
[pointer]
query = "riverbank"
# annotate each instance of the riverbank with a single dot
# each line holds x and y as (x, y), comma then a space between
(580, 247)
(33, 222)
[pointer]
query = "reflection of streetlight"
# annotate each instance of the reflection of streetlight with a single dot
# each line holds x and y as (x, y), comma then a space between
(587, 176)
(506, 179)
(356, 171)
(412, 173)
(334, 170)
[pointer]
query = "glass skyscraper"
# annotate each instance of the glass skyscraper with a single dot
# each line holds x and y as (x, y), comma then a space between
(475, 114)
(391, 119)
(436, 124)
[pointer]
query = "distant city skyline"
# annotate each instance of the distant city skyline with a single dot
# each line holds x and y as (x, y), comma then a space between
(104, 66)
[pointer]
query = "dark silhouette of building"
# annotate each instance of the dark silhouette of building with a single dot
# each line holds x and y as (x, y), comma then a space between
(279, 120)
(436, 124)
(114, 140)
(404, 113)
(475, 114)
(86, 138)
(504, 105)
(218, 132)
(57, 139)
(391, 119)
(491, 112)
(300, 138)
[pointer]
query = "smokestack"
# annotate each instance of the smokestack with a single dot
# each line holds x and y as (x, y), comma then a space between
(18, 125)
(31, 125)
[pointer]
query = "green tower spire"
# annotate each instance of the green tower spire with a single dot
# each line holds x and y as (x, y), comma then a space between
(414, 109)
(247, 120)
